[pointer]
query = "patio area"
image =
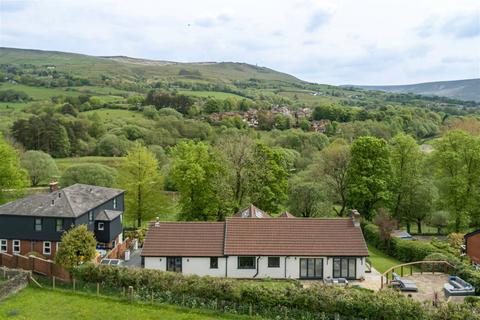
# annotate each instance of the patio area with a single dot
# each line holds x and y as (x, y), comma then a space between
(428, 284)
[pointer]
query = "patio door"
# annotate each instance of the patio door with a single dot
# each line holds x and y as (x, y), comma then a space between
(311, 268)
(174, 264)
(345, 268)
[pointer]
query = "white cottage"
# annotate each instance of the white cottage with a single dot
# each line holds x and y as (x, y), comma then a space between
(252, 244)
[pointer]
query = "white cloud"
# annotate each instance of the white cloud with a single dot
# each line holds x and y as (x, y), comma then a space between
(326, 41)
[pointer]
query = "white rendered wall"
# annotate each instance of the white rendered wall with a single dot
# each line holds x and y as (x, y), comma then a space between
(159, 263)
(201, 266)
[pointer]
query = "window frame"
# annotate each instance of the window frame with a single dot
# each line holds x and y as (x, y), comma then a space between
(40, 225)
(57, 225)
(57, 245)
(340, 264)
(3, 243)
(49, 247)
(246, 267)
(311, 267)
(114, 203)
(19, 245)
(273, 262)
(102, 228)
(213, 262)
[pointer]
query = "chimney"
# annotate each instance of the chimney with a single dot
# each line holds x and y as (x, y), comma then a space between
(157, 222)
(355, 215)
(53, 186)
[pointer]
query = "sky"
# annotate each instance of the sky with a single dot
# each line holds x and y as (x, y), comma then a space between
(335, 42)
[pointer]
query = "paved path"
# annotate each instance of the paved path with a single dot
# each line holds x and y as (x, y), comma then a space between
(135, 259)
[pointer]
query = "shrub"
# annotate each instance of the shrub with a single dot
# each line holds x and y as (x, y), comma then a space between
(271, 302)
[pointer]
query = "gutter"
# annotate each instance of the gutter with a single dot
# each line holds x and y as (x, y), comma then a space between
(256, 273)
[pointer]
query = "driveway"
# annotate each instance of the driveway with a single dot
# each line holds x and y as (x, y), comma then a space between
(135, 259)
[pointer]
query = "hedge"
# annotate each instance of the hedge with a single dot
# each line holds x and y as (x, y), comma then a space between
(274, 302)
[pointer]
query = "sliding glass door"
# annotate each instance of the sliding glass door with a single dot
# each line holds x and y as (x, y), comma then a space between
(345, 268)
(311, 268)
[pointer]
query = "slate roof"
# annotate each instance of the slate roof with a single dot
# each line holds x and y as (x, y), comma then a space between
(107, 215)
(257, 237)
(186, 239)
(69, 202)
(251, 212)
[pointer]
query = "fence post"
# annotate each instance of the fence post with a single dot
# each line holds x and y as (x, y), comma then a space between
(123, 291)
(53, 282)
(152, 296)
(130, 292)
(250, 310)
(73, 284)
(98, 289)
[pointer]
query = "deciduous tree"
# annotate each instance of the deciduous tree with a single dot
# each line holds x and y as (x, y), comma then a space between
(12, 176)
(40, 166)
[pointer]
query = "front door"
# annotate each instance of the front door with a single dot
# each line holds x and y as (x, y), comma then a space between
(311, 268)
(174, 264)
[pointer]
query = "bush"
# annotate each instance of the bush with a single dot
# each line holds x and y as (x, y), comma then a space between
(273, 302)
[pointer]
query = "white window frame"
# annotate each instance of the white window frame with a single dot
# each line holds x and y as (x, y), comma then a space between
(57, 245)
(3, 244)
(114, 203)
(101, 226)
(16, 243)
(49, 247)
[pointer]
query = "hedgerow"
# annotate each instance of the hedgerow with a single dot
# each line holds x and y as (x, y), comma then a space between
(278, 302)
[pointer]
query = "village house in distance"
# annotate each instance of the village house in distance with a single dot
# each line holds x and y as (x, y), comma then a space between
(252, 244)
(36, 223)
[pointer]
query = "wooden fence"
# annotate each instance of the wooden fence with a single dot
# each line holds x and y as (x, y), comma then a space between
(41, 266)
(424, 267)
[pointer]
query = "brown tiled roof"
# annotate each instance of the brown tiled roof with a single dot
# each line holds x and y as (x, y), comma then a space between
(184, 239)
(294, 237)
(251, 212)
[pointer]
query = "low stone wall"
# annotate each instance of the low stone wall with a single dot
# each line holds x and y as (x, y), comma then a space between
(16, 281)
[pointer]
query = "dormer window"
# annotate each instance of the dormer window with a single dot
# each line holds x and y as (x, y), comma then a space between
(114, 203)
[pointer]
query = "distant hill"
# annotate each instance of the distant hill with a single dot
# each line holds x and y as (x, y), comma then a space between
(456, 89)
(132, 68)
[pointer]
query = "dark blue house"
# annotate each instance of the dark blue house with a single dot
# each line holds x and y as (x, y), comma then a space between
(36, 223)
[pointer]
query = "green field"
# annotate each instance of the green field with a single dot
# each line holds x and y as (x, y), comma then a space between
(213, 94)
(45, 304)
(39, 93)
(64, 163)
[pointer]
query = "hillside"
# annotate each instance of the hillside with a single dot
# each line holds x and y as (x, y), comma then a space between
(457, 89)
(132, 69)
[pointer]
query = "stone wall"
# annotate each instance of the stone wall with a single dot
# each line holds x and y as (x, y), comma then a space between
(16, 281)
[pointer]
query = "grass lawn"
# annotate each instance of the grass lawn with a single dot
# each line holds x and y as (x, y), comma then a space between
(380, 260)
(43, 304)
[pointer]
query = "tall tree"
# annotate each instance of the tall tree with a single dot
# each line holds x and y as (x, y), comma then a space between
(238, 150)
(40, 166)
(268, 184)
(139, 177)
(306, 198)
(12, 176)
(411, 191)
(197, 172)
(457, 159)
(332, 168)
(369, 174)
